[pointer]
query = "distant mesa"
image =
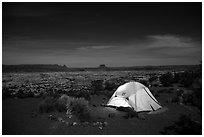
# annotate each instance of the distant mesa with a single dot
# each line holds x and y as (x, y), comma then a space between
(102, 66)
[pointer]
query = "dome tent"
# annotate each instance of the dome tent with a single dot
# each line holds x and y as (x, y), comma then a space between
(136, 96)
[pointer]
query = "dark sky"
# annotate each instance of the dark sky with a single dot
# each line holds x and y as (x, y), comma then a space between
(90, 34)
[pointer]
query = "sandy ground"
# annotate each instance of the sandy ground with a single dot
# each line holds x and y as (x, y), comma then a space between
(19, 118)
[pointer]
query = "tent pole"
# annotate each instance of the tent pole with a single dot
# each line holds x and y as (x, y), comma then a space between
(135, 103)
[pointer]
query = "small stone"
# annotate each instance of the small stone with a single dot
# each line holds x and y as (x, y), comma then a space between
(105, 123)
(60, 119)
(74, 123)
(100, 127)
(51, 117)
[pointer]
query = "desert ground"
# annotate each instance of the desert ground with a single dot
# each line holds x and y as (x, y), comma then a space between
(25, 112)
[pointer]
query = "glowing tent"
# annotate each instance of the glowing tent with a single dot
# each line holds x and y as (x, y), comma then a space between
(136, 96)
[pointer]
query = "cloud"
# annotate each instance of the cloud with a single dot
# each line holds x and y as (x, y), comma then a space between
(170, 41)
(56, 47)
(173, 47)
(152, 50)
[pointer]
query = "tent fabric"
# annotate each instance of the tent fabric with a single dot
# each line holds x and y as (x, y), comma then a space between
(136, 96)
(119, 102)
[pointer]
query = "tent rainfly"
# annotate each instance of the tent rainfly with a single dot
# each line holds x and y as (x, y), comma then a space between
(136, 96)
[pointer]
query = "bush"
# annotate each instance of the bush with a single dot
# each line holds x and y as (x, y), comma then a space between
(21, 94)
(6, 93)
(77, 106)
(162, 91)
(83, 94)
(110, 85)
(30, 94)
(198, 98)
(187, 78)
(167, 79)
(155, 93)
(175, 99)
(97, 85)
(144, 82)
(194, 99)
(184, 126)
(61, 103)
(80, 108)
(153, 78)
(107, 93)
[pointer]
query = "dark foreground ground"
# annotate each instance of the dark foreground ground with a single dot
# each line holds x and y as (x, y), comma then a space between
(20, 117)
(180, 96)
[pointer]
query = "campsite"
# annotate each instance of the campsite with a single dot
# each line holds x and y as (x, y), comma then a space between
(36, 103)
(101, 68)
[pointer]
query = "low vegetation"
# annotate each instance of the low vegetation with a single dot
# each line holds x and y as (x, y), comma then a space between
(80, 108)
(184, 126)
(77, 106)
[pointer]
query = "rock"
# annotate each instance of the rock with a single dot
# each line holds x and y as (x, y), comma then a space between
(111, 115)
(102, 105)
(100, 127)
(74, 123)
(105, 123)
(60, 119)
(51, 117)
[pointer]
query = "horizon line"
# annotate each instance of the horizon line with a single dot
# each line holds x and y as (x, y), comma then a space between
(104, 64)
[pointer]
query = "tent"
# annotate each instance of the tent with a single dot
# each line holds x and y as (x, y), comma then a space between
(134, 95)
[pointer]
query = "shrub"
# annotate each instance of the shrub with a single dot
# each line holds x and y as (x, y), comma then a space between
(184, 126)
(155, 93)
(21, 94)
(179, 92)
(167, 79)
(29, 94)
(97, 85)
(187, 78)
(77, 106)
(198, 98)
(83, 94)
(175, 99)
(153, 78)
(80, 108)
(6, 93)
(79, 93)
(110, 85)
(162, 91)
(144, 82)
(187, 98)
(61, 103)
(194, 99)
